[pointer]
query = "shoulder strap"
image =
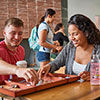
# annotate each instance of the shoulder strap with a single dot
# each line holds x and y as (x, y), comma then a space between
(37, 32)
(32, 34)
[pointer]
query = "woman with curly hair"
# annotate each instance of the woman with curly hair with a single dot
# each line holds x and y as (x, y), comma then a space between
(76, 55)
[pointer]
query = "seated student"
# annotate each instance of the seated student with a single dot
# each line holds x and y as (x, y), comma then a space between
(11, 51)
(76, 55)
(59, 34)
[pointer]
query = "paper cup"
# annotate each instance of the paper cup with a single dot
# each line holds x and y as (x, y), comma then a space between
(22, 63)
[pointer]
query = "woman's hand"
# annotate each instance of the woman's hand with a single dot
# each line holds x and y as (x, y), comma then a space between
(29, 74)
(43, 71)
(56, 43)
(59, 48)
(85, 75)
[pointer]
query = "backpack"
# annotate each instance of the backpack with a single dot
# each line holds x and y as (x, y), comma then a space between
(34, 39)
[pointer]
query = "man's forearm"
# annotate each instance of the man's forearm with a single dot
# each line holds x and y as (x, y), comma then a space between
(6, 68)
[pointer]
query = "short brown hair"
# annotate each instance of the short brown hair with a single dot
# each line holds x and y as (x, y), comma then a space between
(15, 22)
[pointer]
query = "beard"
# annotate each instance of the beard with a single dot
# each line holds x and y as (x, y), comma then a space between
(15, 45)
(12, 43)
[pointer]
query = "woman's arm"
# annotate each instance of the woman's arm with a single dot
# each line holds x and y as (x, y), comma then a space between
(60, 60)
(42, 41)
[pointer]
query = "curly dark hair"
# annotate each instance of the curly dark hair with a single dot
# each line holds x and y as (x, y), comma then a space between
(85, 25)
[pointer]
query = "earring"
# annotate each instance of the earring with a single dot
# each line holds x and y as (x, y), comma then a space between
(87, 35)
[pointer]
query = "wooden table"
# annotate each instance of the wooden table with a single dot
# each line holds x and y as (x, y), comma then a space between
(71, 91)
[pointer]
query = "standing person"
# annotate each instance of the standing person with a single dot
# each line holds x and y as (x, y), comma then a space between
(60, 35)
(11, 51)
(46, 38)
(76, 55)
(33, 49)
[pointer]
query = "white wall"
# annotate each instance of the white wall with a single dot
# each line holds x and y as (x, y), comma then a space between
(89, 8)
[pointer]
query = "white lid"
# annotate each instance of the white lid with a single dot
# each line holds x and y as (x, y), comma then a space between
(22, 62)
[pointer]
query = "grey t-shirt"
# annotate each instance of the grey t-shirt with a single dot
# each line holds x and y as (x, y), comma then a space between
(49, 38)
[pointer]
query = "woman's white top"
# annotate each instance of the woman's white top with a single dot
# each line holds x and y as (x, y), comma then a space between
(49, 38)
(77, 68)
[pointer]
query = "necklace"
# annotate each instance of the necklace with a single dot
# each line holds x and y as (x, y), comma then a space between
(12, 52)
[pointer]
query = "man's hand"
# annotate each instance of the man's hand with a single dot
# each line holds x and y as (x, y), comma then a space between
(29, 74)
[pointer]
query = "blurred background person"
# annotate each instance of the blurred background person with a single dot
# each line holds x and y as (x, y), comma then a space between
(60, 35)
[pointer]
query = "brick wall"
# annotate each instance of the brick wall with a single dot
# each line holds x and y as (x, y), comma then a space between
(29, 11)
